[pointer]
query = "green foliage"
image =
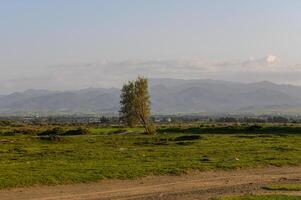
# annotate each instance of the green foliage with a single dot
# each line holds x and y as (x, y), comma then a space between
(127, 102)
(135, 104)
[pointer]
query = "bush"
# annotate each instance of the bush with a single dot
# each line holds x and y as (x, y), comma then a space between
(61, 132)
(54, 138)
(25, 131)
(120, 131)
(78, 131)
(54, 131)
(5, 123)
(254, 128)
(187, 137)
(151, 129)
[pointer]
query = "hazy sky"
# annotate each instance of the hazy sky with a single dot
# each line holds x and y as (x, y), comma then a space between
(70, 44)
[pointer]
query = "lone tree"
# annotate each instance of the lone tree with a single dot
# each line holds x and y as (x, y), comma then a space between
(135, 104)
(127, 112)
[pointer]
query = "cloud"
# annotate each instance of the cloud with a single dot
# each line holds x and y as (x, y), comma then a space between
(263, 62)
(176, 65)
(108, 73)
(271, 59)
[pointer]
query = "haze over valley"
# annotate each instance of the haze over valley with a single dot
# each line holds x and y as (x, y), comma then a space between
(169, 96)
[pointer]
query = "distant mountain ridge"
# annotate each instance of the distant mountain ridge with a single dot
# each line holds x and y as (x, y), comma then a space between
(169, 96)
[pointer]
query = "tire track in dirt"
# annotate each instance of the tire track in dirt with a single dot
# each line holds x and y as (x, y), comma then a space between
(195, 185)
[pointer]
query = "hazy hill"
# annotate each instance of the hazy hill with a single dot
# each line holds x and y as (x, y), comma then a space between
(168, 96)
(221, 96)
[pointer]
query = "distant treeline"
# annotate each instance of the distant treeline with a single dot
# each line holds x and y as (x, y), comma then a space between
(269, 119)
(109, 120)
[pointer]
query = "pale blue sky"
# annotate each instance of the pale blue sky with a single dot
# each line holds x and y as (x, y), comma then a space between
(38, 37)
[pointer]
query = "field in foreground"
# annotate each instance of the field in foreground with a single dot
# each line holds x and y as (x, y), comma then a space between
(30, 160)
(263, 197)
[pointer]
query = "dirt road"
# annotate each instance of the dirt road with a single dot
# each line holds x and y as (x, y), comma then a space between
(194, 185)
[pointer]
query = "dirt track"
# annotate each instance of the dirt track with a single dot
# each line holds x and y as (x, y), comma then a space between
(198, 185)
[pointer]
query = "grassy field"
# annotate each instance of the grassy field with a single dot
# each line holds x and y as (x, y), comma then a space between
(284, 187)
(268, 197)
(27, 159)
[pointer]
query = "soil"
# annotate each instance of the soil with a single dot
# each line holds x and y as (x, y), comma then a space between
(193, 185)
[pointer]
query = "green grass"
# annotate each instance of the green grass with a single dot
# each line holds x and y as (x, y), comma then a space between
(111, 130)
(285, 187)
(263, 197)
(27, 160)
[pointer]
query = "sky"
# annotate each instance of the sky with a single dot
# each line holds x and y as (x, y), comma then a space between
(74, 44)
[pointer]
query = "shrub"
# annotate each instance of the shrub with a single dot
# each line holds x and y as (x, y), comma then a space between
(78, 131)
(187, 137)
(49, 132)
(120, 131)
(54, 138)
(25, 131)
(254, 128)
(5, 123)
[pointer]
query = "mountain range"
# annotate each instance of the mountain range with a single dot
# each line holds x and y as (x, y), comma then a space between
(168, 96)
